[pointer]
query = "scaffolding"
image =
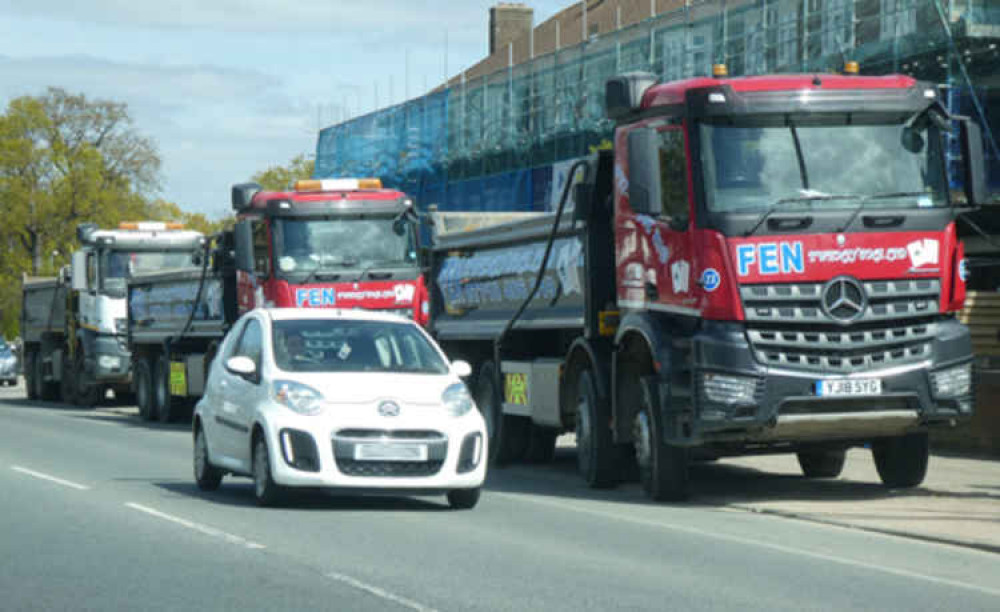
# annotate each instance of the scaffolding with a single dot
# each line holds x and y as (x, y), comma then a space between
(497, 142)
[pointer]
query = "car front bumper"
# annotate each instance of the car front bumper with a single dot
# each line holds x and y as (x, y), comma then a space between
(318, 451)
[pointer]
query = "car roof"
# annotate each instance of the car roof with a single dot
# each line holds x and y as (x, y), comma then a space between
(331, 314)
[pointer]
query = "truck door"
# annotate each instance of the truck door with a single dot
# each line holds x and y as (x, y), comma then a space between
(652, 215)
(253, 262)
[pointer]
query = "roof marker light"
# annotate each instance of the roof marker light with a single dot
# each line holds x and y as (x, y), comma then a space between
(342, 184)
(852, 68)
(717, 98)
(930, 94)
(719, 70)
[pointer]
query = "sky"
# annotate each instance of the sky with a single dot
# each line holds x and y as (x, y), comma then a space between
(227, 88)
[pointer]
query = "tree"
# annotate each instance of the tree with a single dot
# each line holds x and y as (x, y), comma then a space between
(279, 178)
(64, 160)
(161, 210)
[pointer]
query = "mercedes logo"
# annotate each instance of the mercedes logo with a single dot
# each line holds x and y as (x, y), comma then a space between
(844, 299)
(388, 409)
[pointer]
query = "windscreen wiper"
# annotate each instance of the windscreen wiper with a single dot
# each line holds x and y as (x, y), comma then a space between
(878, 196)
(805, 198)
(345, 263)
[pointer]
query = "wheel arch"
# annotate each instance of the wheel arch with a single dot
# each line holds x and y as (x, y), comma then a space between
(584, 354)
(644, 337)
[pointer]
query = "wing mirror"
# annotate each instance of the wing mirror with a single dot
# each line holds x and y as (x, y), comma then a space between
(242, 366)
(461, 368)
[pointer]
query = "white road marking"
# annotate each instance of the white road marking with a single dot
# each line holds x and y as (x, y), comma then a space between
(64, 483)
(209, 531)
(373, 590)
(751, 542)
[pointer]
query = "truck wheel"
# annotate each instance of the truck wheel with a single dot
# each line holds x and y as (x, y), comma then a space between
(30, 384)
(88, 394)
(265, 490)
(67, 384)
(206, 476)
(507, 433)
(167, 408)
(541, 444)
(822, 464)
(144, 389)
(902, 461)
(596, 453)
(47, 391)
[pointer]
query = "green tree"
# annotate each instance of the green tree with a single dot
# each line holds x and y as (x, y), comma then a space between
(161, 210)
(64, 160)
(279, 178)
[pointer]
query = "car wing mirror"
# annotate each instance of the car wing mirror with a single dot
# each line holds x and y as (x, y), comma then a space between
(242, 366)
(461, 368)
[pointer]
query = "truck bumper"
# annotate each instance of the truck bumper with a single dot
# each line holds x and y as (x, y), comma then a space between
(735, 398)
(111, 360)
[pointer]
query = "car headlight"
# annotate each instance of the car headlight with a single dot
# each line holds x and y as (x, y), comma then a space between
(297, 397)
(456, 400)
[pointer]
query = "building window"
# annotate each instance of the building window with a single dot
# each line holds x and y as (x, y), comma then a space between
(897, 18)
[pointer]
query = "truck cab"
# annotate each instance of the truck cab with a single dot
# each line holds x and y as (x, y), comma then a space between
(330, 243)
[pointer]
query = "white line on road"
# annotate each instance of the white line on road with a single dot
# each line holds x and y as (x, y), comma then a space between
(209, 531)
(406, 603)
(64, 483)
(751, 542)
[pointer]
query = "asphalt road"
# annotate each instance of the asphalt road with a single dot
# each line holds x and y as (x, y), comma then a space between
(99, 511)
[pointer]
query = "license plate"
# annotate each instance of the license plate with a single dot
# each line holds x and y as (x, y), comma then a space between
(846, 387)
(390, 452)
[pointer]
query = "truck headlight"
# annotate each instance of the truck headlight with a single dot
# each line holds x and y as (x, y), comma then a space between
(953, 382)
(727, 389)
(456, 400)
(109, 362)
(297, 397)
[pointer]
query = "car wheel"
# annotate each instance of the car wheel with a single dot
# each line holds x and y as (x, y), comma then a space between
(144, 389)
(822, 464)
(902, 461)
(463, 499)
(265, 490)
(207, 476)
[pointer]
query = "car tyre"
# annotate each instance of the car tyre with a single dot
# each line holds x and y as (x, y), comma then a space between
(266, 492)
(822, 464)
(207, 476)
(464, 499)
(902, 461)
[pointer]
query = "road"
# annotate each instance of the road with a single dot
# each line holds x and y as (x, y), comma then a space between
(99, 511)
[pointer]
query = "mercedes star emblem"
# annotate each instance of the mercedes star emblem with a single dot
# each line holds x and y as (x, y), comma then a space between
(844, 299)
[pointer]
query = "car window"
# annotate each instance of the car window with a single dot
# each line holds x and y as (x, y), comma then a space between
(250, 342)
(354, 346)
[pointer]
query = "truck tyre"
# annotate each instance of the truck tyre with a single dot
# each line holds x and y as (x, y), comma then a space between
(87, 393)
(47, 391)
(508, 434)
(822, 464)
(167, 408)
(902, 461)
(144, 389)
(265, 491)
(67, 384)
(541, 444)
(206, 476)
(596, 453)
(30, 382)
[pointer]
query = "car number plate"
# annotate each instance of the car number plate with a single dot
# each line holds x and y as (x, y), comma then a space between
(847, 387)
(390, 452)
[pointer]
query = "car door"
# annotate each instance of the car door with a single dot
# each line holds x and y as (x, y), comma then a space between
(241, 393)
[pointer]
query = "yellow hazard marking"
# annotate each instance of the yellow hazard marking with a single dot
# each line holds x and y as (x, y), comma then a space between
(178, 379)
(515, 389)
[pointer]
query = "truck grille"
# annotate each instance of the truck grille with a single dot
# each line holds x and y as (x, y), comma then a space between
(787, 325)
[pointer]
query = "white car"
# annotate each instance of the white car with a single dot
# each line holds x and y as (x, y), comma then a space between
(347, 400)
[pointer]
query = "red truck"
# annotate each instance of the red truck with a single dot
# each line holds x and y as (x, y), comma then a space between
(760, 265)
(331, 243)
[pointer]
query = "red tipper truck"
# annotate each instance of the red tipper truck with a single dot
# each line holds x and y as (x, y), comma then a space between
(331, 243)
(761, 264)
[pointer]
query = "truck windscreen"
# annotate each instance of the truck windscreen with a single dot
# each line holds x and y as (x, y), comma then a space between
(343, 244)
(822, 166)
(118, 266)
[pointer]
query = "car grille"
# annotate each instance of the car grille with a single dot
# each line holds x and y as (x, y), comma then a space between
(788, 327)
(345, 440)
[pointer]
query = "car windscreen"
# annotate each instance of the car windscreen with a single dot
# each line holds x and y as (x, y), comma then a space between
(304, 345)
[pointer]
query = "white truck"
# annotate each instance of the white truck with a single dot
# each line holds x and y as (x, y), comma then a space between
(74, 326)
